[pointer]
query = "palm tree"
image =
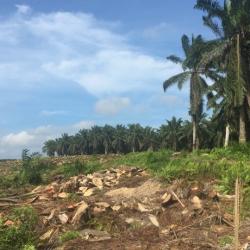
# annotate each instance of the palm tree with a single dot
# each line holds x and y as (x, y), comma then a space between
(107, 138)
(63, 144)
(135, 135)
(232, 48)
(150, 139)
(50, 147)
(119, 141)
(221, 100)
(193, 74)
(96, 139)
(171, 132)
(84, 141)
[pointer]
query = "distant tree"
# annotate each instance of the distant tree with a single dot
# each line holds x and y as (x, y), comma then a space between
(50, 147)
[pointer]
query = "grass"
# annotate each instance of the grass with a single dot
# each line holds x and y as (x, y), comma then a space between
(69, 235)
(20, 235)
(226, 240)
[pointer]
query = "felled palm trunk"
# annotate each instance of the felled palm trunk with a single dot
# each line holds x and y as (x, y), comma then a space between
(227, 135)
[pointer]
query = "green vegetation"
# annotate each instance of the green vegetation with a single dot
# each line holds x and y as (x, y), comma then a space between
(223, 165)
(20, 235)
(226, 240)
(69, 235)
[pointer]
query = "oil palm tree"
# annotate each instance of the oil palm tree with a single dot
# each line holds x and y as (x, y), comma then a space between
(107, 138)
(193, 75)
(119, 141)
(135, 136)
(50, 147)
(231, 22)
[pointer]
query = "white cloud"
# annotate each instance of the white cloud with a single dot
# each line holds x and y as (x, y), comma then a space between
(112, 105)
(77, 48)
(84, 125)
(23, 9)
(53, 112)
(11, 145)
(20, 139)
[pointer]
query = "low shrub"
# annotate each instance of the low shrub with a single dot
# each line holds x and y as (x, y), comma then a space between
(21, 234)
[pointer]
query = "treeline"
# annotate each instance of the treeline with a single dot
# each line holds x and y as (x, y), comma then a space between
(176, 135)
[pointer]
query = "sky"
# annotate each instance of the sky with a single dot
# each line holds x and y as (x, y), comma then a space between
(67, 65)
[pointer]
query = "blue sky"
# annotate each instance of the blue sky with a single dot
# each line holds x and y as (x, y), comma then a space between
(67, 65)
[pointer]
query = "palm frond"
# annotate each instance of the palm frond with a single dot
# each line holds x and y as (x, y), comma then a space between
(209, 22)
(217, 51)
(185, 44)
(212, 7)
(180, 79)
(174, 59)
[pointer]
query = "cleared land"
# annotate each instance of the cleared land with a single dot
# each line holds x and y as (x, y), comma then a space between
(153, 200)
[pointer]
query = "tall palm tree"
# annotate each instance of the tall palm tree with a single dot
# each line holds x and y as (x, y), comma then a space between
(107, 138)
(83, 140)
(230, 22)
(192, 74)
(119, 141)
(135, 135)
(50, 147)
(171, 132)
(150, 139)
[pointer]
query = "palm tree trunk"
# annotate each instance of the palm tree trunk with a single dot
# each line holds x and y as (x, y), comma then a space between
(242, 126)
(227, 135)
(194, 134)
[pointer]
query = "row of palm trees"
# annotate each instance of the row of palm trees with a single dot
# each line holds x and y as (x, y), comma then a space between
(224, 60)
(175, 134)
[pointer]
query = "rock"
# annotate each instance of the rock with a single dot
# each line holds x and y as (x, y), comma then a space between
(154, 220)
(90, 192)
(197, 203)
(9, 223)
(166, 199)
(81, 210)
(63, 218)
(94, 235)
(63, 195)
(46, 236)
(142, 208)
